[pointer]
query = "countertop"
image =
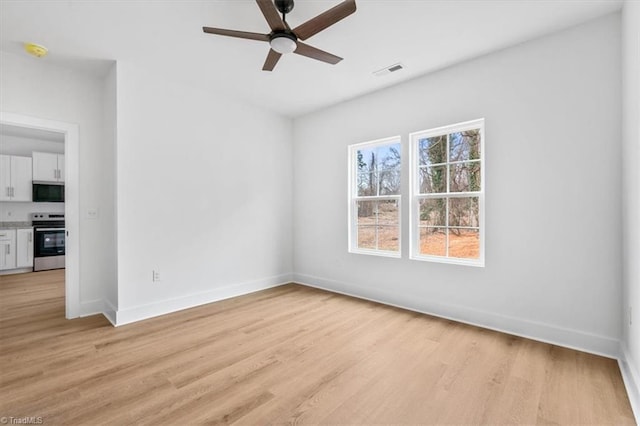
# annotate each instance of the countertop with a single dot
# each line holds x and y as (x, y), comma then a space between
(15, 225)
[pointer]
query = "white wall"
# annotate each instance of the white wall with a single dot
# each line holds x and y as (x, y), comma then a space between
(631, 190)
(33, 87)
(553, 228)
(20, 212)
(203, 195)
(108, 212)
(17, 145)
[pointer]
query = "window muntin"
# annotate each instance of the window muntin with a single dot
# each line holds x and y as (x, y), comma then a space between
(374, 197)
(447, 212)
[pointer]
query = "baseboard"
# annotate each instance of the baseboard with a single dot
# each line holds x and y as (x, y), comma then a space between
(547, 333)
(92, 307)
(139, 313)
(631, 379)
(16, 271)
(109, 312)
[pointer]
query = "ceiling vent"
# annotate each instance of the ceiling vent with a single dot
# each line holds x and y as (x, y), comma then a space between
(389, 69)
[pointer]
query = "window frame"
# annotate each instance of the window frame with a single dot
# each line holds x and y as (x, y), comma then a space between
(415, 195)
(353, 198)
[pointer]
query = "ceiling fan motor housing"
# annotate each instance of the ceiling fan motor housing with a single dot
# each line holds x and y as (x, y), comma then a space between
(284, 6)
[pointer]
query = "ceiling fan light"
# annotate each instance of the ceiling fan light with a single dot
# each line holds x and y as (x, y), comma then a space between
(283, 44)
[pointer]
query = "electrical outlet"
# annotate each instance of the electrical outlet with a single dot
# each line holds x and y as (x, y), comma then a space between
(156, 276)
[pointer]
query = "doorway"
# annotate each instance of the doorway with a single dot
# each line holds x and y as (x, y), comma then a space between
(72, 199)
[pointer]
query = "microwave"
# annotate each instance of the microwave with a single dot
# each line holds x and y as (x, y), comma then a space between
(46, 192)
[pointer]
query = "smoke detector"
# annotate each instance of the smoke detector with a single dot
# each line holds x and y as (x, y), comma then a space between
(36, 49)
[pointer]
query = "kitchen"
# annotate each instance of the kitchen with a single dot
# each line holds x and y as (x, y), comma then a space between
(32, 229)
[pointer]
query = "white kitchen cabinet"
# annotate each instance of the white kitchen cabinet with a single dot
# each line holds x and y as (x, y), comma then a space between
(24, 248)
(48, 167)
(5, 177)
(15, 178)
(60, 167)
(7, 249)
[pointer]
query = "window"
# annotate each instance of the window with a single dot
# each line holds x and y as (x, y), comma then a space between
(374, 197)
(447, 196)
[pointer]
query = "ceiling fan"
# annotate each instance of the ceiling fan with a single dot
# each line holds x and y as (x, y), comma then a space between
(283, 39)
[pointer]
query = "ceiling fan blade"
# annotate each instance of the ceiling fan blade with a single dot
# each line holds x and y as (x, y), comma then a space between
(325, 19)
(271, 14)
(314, 53)
(272, 59)
(238, 34)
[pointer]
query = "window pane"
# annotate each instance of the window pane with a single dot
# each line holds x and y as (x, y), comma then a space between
(367, 212)
(366, 159)
(433, 212)
(464, 177)
(464, 243)
(389, 182)
(388, 212)
(464, 212)
(432, 150)
(367, 237)
(433, 241)
(388, 238)
(388, 156)
(433, 179)
(367, 184)
(464, 146)
(376, 183)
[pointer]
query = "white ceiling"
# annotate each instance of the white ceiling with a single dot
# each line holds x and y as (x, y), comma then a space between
(166, 37)
(29, 133)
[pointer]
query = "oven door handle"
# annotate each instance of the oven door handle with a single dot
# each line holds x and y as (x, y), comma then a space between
(49, 229)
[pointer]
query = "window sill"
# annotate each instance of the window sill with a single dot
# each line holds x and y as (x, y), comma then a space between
(478, 263)
(381, 253)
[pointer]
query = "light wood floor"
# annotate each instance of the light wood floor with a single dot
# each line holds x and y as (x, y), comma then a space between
(286, 355)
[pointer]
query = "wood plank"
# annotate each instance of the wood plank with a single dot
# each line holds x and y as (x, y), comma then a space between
(290, 354)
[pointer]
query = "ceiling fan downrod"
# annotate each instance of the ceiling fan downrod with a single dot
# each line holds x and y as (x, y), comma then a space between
(284, 7)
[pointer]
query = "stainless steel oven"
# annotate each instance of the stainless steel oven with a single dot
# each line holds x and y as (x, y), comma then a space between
(48, 241)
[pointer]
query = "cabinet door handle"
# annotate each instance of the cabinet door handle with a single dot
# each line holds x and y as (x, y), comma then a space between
(13, 191)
